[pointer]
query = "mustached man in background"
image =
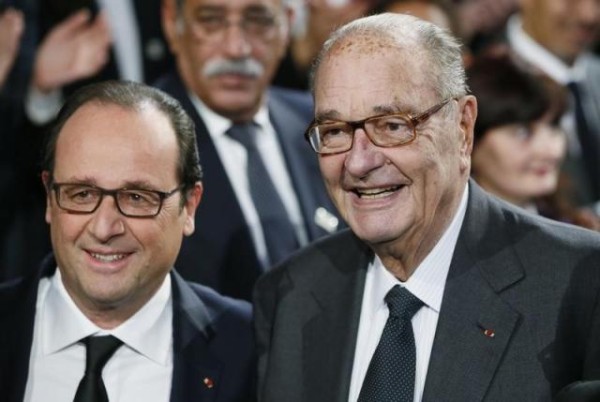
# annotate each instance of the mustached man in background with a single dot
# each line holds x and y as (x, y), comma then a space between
(266, 195)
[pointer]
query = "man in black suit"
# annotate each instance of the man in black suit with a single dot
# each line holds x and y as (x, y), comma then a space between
(440, 292)
(580, 391)
(123, 182)
(226, 54)
(577, 345)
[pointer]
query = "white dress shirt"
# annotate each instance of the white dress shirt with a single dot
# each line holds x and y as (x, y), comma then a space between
(233, 156)
(126, 38)
(140, 370)
(427, 283)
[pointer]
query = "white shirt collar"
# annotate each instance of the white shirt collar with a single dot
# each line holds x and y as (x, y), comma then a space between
(534, 53)
(63, 324)
(217, 125)
(429, 279)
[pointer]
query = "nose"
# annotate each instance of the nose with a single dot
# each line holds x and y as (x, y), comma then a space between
(107, 222)
(364, 156)
(236, 44)
(549, 142)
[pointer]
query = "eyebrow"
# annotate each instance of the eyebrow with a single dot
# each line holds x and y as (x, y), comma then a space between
(332, 114)
(88, 181)
(217, 8)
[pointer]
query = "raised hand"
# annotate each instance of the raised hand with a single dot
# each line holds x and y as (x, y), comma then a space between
(76, 48)
(11, 28)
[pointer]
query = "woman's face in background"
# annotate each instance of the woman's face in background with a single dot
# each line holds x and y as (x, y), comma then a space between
(520, 162)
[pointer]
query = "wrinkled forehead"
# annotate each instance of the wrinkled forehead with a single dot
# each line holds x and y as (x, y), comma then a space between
(227, 5)
(375, 42)
(405, 53)
(373, 69)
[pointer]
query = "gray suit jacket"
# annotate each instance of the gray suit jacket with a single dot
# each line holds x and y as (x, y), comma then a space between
(508, 273)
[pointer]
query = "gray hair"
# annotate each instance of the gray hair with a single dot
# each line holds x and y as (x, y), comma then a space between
(442, 50)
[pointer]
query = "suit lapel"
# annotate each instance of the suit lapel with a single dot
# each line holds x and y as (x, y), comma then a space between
(475, 324)
(301, 162)
(17, 318)
(195, 367)
(329, 337)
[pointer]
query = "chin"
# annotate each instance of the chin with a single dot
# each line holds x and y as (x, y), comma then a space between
(374, 234)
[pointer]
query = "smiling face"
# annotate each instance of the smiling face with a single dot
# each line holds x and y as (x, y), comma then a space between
(565, 27)
(519, 163)
(401, 199)
(227, 51)
(111, 263)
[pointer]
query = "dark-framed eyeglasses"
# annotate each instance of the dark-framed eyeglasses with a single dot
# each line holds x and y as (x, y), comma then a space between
(384, 130)
(81, 198)
(211, 23)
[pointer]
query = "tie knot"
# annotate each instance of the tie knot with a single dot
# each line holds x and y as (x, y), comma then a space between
(402, 303)
(244, 133)
(574, 88)
(98, 350)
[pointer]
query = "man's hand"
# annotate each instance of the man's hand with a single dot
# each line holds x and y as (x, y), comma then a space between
(11, 28)
(76, 48)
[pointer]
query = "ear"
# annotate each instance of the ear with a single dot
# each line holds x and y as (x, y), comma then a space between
(468, 113)
(46, 182)
(192, 201)
(171, 24)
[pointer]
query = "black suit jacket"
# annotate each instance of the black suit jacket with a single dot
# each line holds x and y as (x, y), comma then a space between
(577, 345)
(212, 337)
(508, 274)
(221, 253)
(580, 391)
(12, 113)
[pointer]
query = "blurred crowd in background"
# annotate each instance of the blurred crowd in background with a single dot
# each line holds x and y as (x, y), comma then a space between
(532, 64)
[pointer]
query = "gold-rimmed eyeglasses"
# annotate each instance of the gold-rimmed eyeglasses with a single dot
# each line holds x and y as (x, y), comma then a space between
(384, 130)
(81, 198)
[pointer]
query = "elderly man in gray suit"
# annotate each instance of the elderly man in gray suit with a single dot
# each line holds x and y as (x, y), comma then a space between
(438, 292)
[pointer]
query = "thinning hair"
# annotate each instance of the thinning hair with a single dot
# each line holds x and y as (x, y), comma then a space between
(441, 49)
(133, 96)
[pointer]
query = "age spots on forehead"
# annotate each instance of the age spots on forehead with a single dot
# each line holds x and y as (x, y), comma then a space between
(365, 43)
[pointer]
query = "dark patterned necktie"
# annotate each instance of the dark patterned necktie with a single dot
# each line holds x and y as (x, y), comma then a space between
(391, 373)
(99, 350)
(279, 233)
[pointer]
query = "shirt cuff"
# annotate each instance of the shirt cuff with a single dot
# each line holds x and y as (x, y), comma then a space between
(42, 107)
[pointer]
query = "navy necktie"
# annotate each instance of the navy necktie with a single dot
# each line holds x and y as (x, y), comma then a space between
(279, 233)
(99, 350)
(391, 373)
(590, 146)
